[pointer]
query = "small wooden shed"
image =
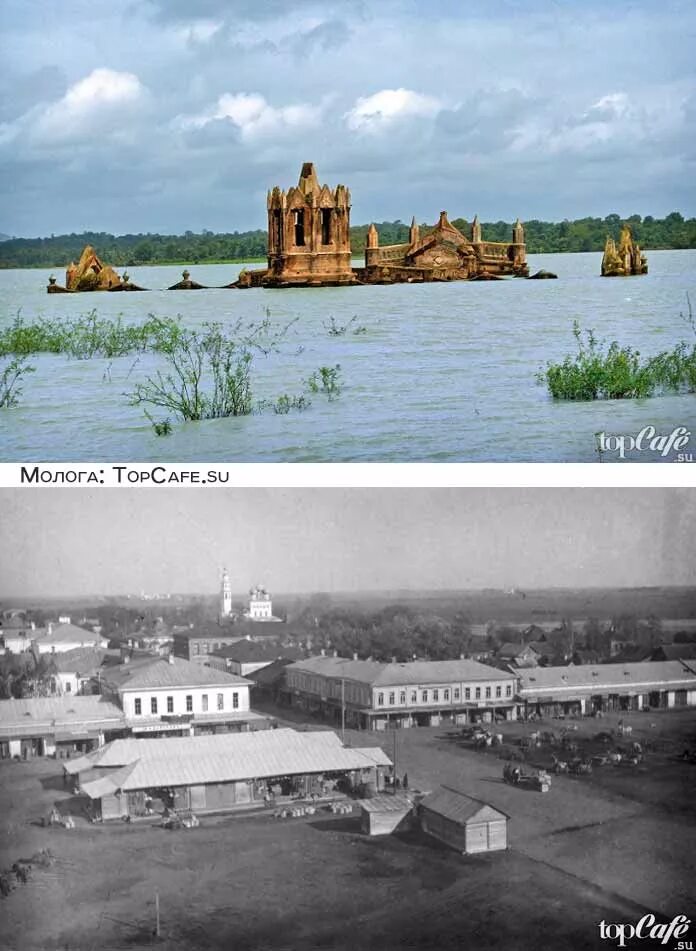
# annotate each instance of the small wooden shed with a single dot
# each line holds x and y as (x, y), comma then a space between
(382, 815)
(462, 822)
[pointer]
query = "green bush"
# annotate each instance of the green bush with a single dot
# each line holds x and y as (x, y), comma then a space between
(11, 376)
(326, 380)
(601, 372)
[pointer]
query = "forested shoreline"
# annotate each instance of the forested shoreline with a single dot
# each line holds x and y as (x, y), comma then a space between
(129, 250)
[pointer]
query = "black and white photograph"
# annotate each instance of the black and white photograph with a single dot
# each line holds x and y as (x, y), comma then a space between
(285, 719)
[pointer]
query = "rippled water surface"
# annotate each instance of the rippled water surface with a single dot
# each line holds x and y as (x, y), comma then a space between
(445, 372)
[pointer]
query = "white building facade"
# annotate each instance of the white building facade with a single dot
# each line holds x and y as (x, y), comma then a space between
(422, 693)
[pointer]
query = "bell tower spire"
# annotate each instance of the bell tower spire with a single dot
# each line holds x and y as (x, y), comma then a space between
(225, 595)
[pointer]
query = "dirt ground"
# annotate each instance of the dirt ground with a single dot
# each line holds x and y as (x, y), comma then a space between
(609, 846)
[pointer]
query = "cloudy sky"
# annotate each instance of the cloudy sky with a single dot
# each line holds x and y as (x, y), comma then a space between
(117, 541)
(167, 115)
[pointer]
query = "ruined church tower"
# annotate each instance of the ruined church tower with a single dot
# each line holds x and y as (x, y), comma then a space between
(518, 247)
(309, 233)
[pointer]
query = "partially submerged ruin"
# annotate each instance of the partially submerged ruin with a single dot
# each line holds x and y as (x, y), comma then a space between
(91, 274)
(626, 260)
(309, 245)
(187, 283)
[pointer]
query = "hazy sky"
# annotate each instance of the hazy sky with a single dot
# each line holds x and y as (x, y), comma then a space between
(167, 115)
(110, 541)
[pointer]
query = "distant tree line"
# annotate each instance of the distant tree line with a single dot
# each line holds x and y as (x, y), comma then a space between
(130, 250)
(396, 632)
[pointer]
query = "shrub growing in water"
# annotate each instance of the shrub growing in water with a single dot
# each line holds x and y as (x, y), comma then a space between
(208, 371)
(85, 336)
(614, 372)
(11, 376)
(326, 380)
(285, 403)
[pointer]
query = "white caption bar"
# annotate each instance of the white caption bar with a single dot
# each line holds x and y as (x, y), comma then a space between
(216, 475)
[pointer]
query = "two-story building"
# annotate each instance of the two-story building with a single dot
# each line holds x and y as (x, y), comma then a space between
(376, 696)
(177, 697)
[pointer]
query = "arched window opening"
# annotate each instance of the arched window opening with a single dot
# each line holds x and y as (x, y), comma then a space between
(299, 228)
(326, 225)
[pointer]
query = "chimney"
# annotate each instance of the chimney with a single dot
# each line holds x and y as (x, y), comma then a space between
(50, 627)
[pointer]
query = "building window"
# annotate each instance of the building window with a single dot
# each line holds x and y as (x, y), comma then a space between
(436, 695)
(414, 696)
(380, 699)
(478, 693)
(153, 704)
(392, 698)
(221, 701)
(488, 693)
(204, 703)
(299, 227)
(467, 693)
(498, 691)
(402, 697)
(138, 706)
(424, 696)
(68, 686)
(456, 693)
(326, 226)
(195, 647)
(235, 701)
(445, 694)
(189, 703)
(508, 690)
(170, 704)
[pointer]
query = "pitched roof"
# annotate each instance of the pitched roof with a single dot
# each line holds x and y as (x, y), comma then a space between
(157, 673)
(227, 757)
(376, 754)
(33, 715)
(676, 651)
(248, 652)
(68, 633)
(413, 672)
(271, 674)
(387, 803)
(591, 676)
(459, 807)
(514, 650)
(108, 784)
(83, 660)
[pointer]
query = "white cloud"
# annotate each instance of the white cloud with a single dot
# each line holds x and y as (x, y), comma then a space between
(385, 107)
(254, 116)
(88, 106)
(615, 122)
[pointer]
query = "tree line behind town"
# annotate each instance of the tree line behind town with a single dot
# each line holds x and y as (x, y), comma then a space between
(130, 250)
